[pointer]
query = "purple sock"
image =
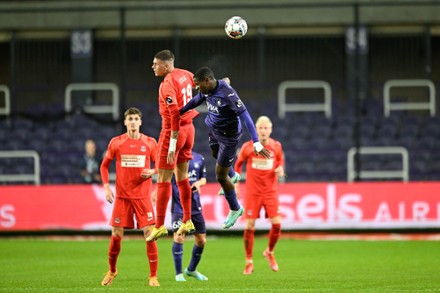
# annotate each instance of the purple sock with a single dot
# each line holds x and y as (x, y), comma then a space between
(195, 258)
(231, 198)
(231, 172)
(177, 256)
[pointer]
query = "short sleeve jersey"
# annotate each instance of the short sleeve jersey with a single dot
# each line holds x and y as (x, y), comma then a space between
(224, 107)
(260, 172)
(132, 155)
(196, 171)
(176, 88)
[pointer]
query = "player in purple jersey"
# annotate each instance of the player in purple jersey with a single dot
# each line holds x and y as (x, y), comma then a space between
(197, 178)
(226, 113)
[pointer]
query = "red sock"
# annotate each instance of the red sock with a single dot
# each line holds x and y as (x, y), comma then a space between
(113, 252)
(153, 259)
(248, 236)
(163, 197)
(274, 235)
(185, 198)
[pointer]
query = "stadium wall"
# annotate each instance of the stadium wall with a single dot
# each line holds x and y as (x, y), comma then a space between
(304, 206)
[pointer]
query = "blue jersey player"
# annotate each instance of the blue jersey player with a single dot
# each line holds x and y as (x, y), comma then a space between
(226, 114)
(197, 178)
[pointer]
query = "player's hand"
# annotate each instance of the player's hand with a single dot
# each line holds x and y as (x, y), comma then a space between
(279, 171)
(109, 196)
(264, 152)
(170, 157)
(227, 80)
(147, 173)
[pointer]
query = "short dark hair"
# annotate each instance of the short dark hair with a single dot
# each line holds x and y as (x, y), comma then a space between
(133, 111)
(202, 73)
(164, 55)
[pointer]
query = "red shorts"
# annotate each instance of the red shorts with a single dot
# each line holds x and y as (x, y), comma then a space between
(254, 204)
(184, 146)
(125, 210)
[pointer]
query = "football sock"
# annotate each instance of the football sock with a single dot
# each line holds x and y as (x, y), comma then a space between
(113, 252)
(153, 260)
(274, 235)
(249, 235)
(185, 198)
(163, 197)
(195, 258)
(177, 256)
(231, 198)
(231, 172)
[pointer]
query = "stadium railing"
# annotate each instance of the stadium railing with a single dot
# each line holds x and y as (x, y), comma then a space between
(378, 174)
(389, 106)
(112, 108)
(33, 177)
(6, 109)
(284, 107)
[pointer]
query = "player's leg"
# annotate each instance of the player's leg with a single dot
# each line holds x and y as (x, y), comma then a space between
(184, 155)
(273, 212)
(122, 216)
(152, 253)
(163, 197)
(144, 214)
(249, 238)
(165, 173)
(253, 205)
(113, 253)
(177, 248)
(198, 247)
(236, 210)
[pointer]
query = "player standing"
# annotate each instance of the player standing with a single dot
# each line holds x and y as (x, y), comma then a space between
(134, 153)
(176, 140)
(226, 112)
(261, 191)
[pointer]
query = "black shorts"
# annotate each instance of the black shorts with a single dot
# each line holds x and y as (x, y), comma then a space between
(198, 221)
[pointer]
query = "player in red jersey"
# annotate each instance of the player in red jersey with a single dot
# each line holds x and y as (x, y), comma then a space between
(176, 141)
(134, 153)
(261, 190)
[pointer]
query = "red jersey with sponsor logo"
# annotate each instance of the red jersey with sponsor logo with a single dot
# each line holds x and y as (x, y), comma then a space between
(176, 88)
(260, 172)
(132, 155)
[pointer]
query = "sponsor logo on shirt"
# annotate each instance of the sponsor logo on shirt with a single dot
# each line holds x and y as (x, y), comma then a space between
(212, 108)
(133, 161)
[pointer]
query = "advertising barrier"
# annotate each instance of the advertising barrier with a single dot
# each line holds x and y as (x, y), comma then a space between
(304, 206)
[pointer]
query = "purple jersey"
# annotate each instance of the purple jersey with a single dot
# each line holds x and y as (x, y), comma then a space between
(224, 107)
(196, 171)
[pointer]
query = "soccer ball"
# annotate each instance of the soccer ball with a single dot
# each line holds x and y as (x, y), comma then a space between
(236, 27)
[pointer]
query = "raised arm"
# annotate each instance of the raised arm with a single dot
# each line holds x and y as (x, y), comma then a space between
(258, 147)
(193, 103)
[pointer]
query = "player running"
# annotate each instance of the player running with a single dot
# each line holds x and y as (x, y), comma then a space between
(134, 153)
(226, 113)
(261, 191)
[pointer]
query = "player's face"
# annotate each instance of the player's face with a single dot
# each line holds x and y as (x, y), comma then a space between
(133, 122)
(264, 130)
(202, 86)
(159, 67)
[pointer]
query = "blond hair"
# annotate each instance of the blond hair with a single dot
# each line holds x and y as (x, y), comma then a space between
(263, 119)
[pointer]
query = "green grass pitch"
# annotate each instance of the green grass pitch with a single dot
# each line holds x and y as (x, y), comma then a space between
(37, 265)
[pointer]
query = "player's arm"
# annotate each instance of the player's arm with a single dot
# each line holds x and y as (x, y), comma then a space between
(258, 147)
(175, 126)
(279, 170)
(109, 196)
(202, 177)
(193, 103)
